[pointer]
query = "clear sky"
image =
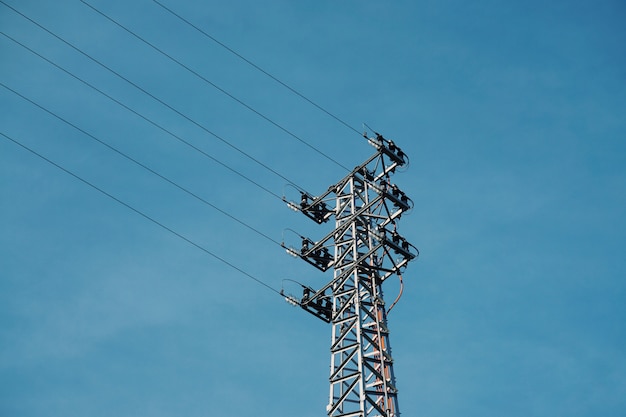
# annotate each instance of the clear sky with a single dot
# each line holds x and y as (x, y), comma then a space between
(513, 114)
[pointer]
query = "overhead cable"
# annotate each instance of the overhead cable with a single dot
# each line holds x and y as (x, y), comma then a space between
(177, 137)
(142, 214)
(228, 143)
(246, 60)
(203, 78)
(133, 160)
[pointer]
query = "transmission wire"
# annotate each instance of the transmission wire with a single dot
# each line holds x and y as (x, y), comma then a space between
(180, 187)
(145, 92)
(148, 120)
(142, 214)
(238, 55)
(215, 86)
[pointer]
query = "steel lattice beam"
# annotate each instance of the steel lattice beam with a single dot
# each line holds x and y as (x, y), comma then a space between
(366, 253)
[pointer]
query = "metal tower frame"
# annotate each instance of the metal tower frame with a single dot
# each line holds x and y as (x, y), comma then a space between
(367, 251)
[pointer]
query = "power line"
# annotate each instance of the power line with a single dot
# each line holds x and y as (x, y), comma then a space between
(142, 90)
(238, 55)
(148, 120)
(142, 214)
(214, 85)
(180, 187)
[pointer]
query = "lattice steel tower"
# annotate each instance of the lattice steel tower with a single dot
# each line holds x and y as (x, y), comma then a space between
(367, 250)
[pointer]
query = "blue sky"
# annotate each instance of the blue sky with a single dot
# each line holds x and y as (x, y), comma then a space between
(512, 114)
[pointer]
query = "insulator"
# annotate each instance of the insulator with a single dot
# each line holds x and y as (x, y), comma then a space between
(292, 252)
(374, 144)
(293, 206)
(291, 300)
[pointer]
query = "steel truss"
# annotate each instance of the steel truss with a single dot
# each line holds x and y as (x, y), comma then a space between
(367, 251)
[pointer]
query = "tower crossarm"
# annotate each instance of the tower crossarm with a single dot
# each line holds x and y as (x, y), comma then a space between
(317, 253)
(317, 207)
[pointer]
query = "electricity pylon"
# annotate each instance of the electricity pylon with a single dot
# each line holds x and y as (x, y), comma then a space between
(367, 251)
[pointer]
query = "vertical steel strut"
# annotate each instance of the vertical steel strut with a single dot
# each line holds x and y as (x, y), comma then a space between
(367, 251)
